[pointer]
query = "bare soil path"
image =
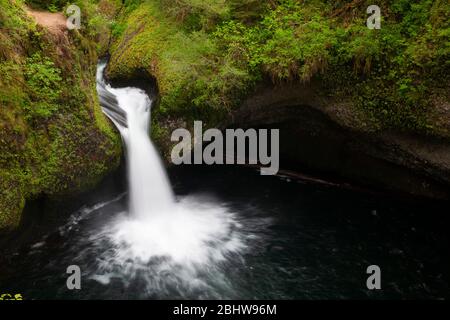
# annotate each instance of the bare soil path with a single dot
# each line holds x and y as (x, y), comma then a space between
(54, 22)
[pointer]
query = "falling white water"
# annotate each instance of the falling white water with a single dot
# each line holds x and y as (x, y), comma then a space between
(160, 236)
(150, 192)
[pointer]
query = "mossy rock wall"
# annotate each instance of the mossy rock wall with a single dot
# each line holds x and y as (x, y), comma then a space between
(54, 139)
(210, 58)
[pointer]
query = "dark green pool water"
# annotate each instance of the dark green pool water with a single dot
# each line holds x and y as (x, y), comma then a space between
(302, 241)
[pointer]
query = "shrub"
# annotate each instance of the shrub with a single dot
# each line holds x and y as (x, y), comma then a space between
(44, 83)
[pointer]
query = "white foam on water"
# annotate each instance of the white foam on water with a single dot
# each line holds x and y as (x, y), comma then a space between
(160, 239)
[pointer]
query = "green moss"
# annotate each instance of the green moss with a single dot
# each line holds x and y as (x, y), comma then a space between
(194, 79)
(54, 138)
(12, 200)
(208, 55)
(50, 5)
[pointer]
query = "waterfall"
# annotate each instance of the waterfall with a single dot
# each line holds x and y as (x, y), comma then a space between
(164, 242)
(129, 109)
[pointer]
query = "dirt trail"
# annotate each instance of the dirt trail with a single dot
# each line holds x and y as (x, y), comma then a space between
(54, 22)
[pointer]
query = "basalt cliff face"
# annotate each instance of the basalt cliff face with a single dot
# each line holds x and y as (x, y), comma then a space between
(322, 135)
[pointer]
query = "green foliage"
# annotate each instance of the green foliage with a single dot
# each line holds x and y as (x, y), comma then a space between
(194, 78)
(131, 5)
(288, 43)
(54, 138)
(196, 14)
(51, 5)
(207, 55)
(98, 20)
(12, 200)
(117, 29)
(44, 84)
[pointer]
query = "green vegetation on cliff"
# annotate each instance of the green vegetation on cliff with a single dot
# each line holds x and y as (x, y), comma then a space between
(53, 137)
(208, 55)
